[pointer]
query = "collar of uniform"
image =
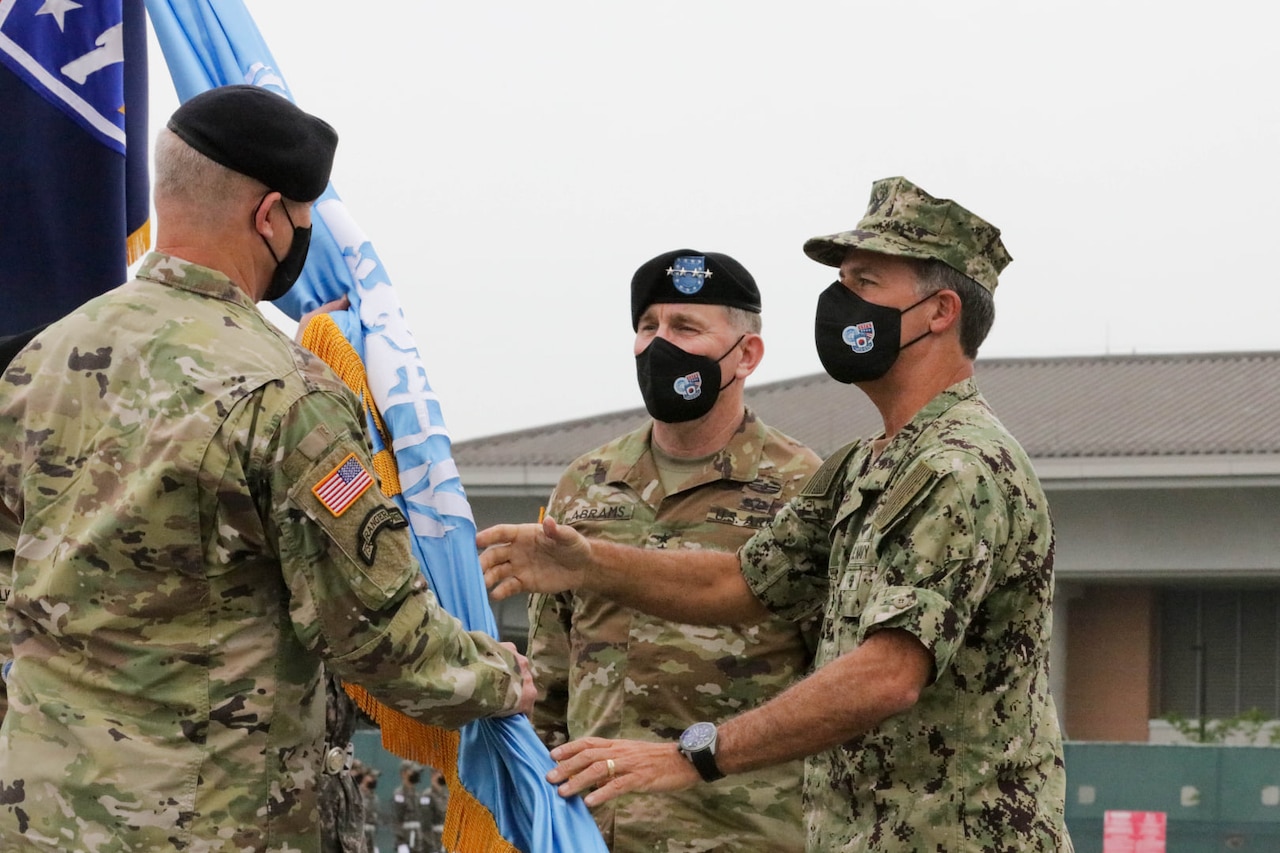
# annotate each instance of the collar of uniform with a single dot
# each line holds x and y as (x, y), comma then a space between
(739, 460)
(184, 275)
(899, 450)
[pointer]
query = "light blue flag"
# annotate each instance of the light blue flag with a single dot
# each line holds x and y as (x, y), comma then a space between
(209, 43)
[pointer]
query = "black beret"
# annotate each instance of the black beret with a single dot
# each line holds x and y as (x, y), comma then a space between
(687, 275)
(259, 133)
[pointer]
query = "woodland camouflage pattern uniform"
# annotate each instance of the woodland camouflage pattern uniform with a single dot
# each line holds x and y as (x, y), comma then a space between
(609, 671)
(177, 583)
(946, 534)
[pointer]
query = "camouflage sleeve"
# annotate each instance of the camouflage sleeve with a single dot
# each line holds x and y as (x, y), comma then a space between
(549, 621)
(8, 529)
(785, 563)
(8, 541)
(6, 643)
(937, 555)
(357, 597)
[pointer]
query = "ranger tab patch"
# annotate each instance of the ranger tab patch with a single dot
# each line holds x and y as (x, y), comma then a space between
(340, 488)
(378, 519)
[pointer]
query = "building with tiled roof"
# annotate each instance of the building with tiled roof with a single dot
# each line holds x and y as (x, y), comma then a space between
(1163, 475)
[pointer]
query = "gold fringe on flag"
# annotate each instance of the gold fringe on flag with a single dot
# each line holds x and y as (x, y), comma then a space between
(137, 243)
(469, 826)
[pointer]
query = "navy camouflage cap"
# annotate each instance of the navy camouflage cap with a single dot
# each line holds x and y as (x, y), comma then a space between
(687, 275)
(906, 221)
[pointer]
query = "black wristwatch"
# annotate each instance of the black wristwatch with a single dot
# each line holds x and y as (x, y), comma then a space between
(698, 743)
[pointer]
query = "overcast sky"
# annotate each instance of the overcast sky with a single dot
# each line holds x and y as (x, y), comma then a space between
(514, 162)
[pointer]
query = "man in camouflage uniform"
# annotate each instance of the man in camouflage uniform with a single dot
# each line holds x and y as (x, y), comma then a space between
(704, 473)
(438, 810)
(201, 537)
(8, 539)
(10, 346)
(927, 723)
(338, 797)
(411, 812)
(367, 782)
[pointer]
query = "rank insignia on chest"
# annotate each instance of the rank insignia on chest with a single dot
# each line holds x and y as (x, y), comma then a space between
(340, 488)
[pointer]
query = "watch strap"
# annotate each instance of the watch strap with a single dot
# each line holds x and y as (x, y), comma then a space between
(704, 761)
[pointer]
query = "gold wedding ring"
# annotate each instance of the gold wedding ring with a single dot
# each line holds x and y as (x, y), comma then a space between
(611, 767)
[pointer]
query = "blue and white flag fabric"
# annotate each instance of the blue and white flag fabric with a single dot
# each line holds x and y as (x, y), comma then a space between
(74, 199)
(500, 762)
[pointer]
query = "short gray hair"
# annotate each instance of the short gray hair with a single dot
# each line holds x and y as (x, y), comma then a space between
(977, 308)
(186, 176)
(743, 321)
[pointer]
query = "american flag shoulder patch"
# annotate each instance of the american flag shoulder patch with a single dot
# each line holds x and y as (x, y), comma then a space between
(340, 488)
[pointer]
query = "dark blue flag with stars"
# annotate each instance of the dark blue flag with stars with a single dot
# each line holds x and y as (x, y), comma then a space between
(74, 199)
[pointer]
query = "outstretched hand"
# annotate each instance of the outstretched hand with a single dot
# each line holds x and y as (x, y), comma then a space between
(615, 767)
(546, 557)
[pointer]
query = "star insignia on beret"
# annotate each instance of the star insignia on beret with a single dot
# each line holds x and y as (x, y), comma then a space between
(697, 273)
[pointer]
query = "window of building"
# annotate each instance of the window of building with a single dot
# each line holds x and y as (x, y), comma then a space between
(1220, 651)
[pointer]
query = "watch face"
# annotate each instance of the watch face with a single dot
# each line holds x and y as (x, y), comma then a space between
(697, 737)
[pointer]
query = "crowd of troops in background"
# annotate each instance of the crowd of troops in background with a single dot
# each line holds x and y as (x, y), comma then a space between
(414, 813)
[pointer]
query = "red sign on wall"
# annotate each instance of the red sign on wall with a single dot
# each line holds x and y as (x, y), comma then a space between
(1133, 832)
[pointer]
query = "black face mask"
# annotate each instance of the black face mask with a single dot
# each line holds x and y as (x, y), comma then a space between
(679, 386)
(290, 266)
(858, 340)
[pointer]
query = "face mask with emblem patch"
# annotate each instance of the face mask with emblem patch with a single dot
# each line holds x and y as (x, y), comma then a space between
(679, 386)
(857, 340)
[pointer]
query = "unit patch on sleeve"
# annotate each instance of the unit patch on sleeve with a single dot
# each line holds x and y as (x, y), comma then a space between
(340, 488)
(378, 519)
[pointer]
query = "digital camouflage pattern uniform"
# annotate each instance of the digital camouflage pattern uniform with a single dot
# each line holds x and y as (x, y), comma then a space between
(947, 535)
(178, 583)
(411, 816)
(609, 671)
(372, 816)
(340, 802)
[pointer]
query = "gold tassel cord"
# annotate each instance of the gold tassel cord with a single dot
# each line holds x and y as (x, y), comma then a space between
(469, 826)
(137, 243)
